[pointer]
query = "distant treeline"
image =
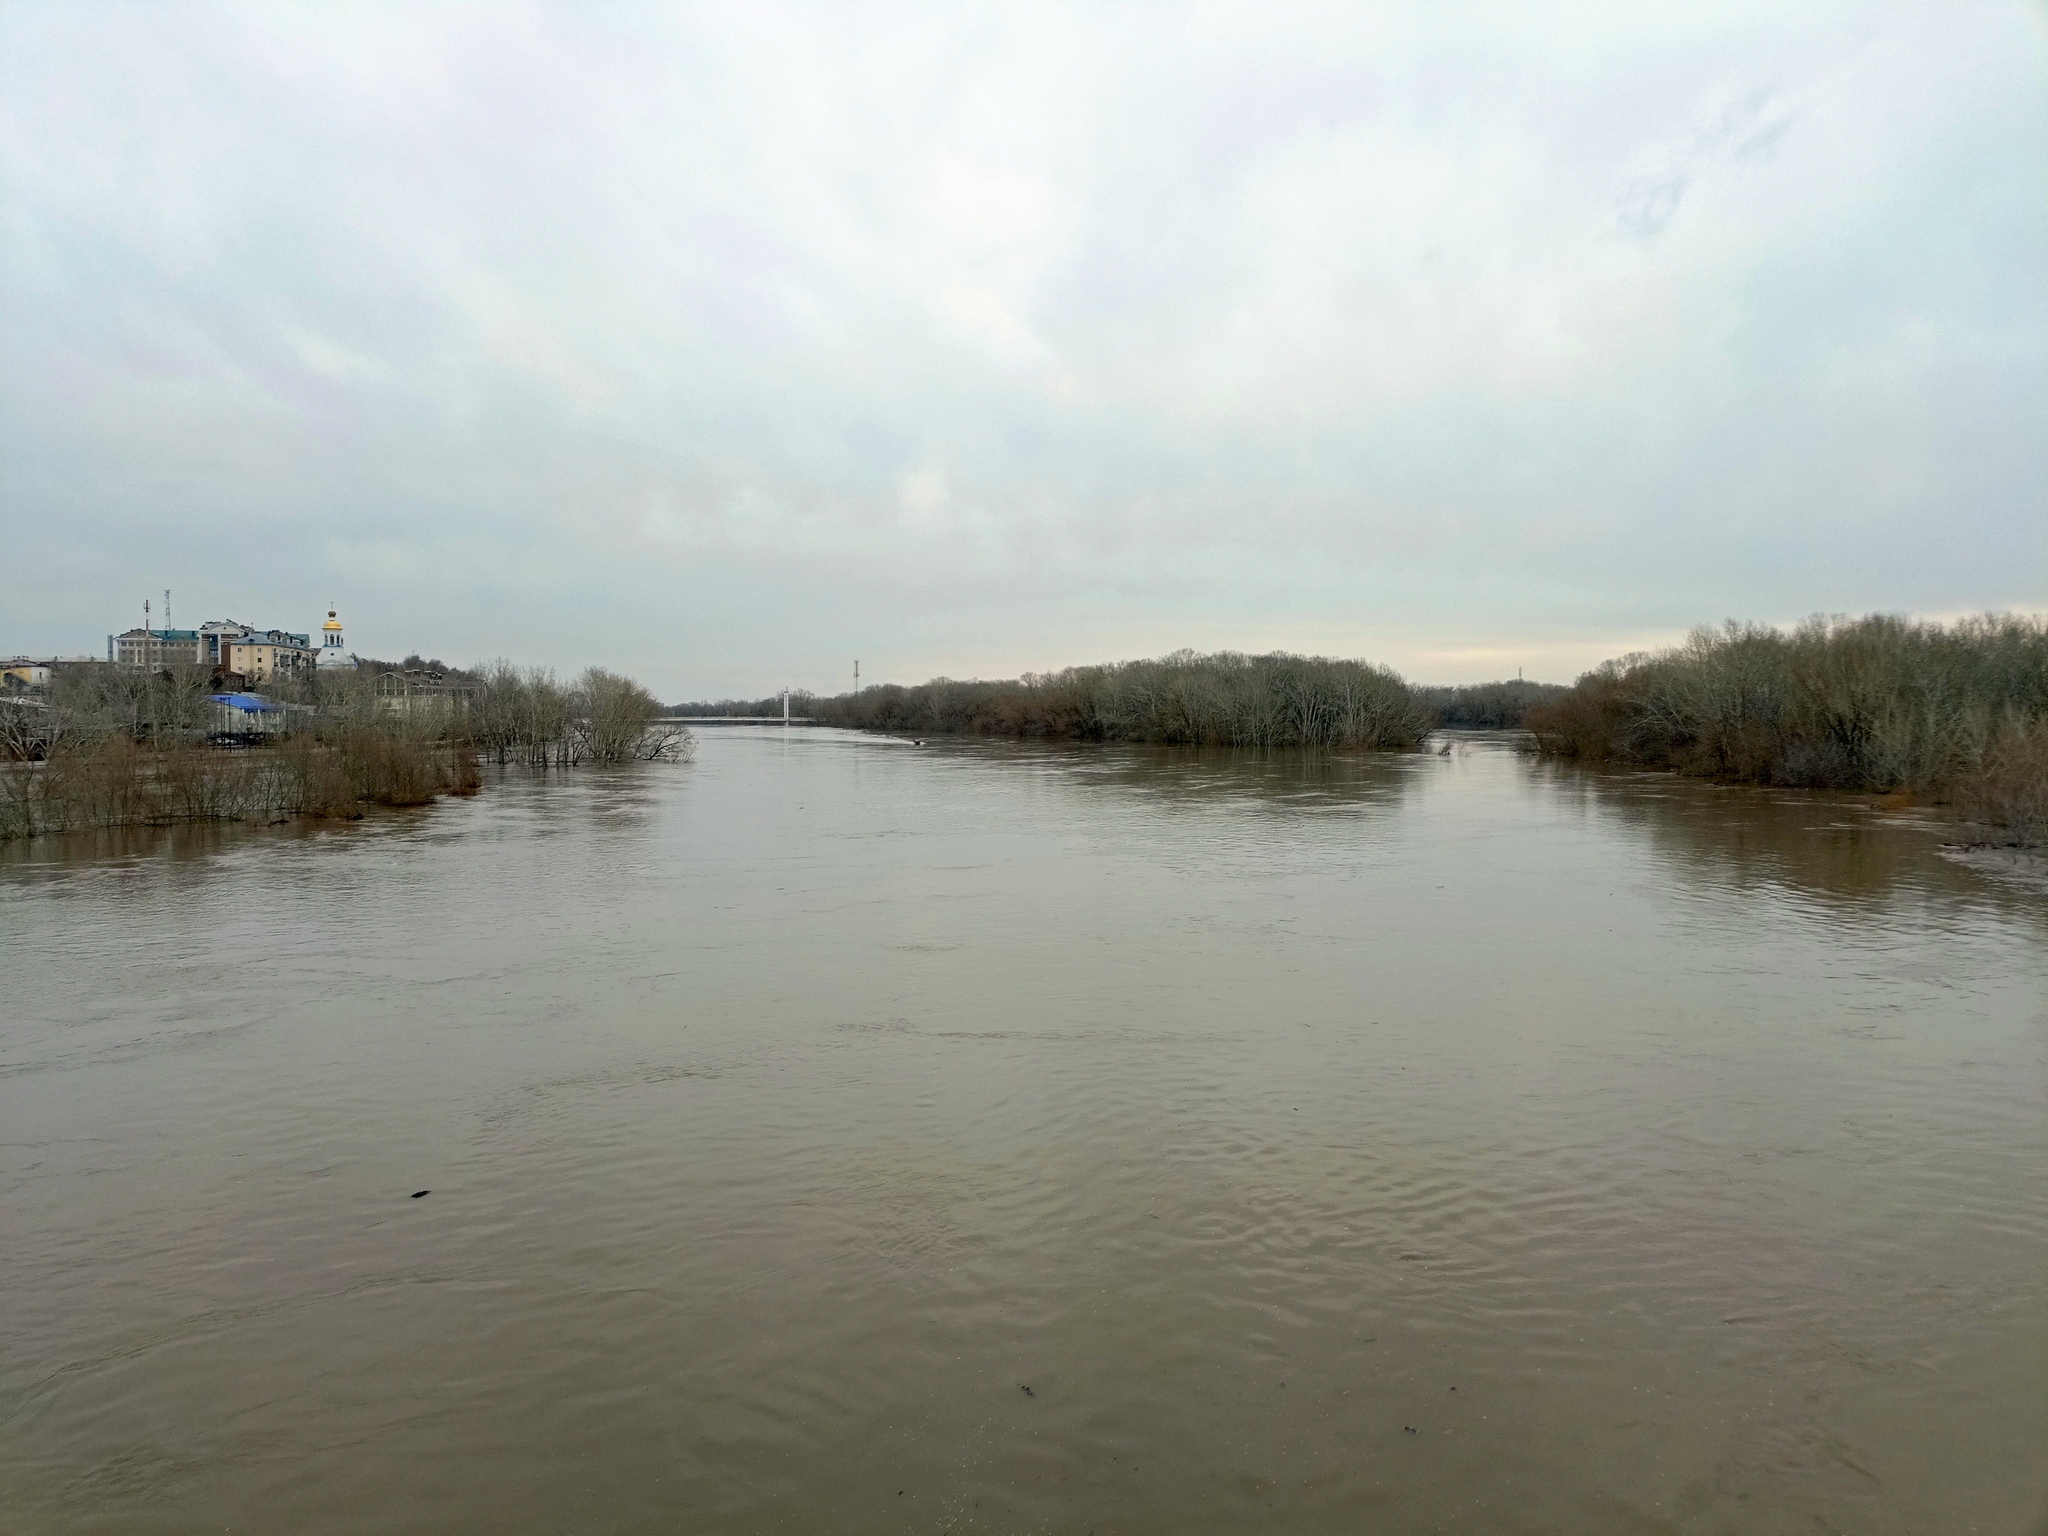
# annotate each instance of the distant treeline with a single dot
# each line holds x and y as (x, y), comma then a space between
(1226, 699)
(1956, 712)
(800, 702)
(1491, 706)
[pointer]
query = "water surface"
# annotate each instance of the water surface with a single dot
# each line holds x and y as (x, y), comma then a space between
(1373, 1144)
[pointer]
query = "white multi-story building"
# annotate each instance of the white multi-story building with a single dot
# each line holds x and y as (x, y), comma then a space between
(157, 648)
(216, 636)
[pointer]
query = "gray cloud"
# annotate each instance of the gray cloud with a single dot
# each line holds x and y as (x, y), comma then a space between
(722, 344)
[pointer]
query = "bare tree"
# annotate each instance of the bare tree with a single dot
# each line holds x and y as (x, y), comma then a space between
(618, 721)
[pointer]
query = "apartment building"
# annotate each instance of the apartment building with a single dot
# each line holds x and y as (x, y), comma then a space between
(264, 654)
(155, 648)
(258, 654)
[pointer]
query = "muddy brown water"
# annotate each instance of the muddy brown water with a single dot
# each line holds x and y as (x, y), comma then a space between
(1382, 1144)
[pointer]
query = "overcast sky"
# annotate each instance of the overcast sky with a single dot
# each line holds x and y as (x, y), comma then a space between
(726, 344)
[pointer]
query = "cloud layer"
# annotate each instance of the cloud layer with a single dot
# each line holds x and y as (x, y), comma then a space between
(725, 344)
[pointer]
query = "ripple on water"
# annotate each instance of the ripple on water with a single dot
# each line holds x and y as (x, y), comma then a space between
(1326, 1144)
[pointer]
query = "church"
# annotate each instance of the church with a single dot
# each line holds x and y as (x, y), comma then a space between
(331, 652)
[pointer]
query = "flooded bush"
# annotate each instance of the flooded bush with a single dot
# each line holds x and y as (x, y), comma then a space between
(1225, 699)
(391, 764)
(465, 775)
(1956, 712)
(2007, 794)
(115, 747)
(315, 781)
(515, 716)
(118, 782)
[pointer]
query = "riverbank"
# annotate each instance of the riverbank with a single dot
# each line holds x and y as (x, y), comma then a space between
(1954, 715)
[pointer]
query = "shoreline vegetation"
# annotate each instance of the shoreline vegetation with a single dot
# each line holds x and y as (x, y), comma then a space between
(1951, 714)
(1954, 715)
(1024, 706)
(109, 746)
(1225, 699)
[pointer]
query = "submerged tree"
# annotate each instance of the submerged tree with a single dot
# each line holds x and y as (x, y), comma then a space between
(618, 721)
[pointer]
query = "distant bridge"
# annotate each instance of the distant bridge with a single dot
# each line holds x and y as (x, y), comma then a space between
(741, 719)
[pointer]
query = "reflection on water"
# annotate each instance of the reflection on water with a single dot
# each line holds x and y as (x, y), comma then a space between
(1450, 1143)
(1832, 847)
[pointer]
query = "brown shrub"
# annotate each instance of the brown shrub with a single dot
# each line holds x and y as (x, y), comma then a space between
(465, 777)
(387, 766)
(117, 782)
(1589, 722)
(2007, 795)
(314, 781)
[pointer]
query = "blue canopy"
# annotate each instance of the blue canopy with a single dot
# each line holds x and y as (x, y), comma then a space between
(248, 703)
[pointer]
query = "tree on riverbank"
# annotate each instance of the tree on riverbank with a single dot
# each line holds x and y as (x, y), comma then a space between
(1955, 712)
(1226, 699)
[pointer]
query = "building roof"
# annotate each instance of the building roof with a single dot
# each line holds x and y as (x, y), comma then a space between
(248, 703)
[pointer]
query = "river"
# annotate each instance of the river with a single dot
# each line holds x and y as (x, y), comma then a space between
(836, 1134)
